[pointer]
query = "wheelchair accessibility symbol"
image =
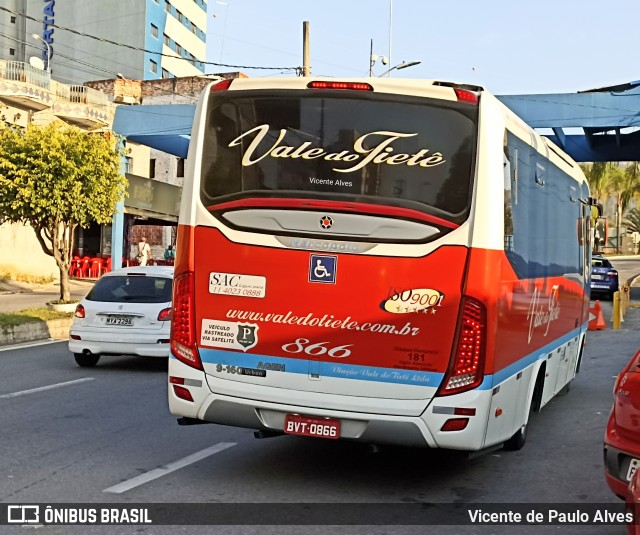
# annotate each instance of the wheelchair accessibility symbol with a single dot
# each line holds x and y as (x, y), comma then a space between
(323, 268)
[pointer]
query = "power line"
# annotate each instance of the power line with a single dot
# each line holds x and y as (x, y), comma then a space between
(131, 47)
(189, 96)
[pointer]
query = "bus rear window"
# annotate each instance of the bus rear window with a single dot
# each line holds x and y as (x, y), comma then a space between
(406, 151)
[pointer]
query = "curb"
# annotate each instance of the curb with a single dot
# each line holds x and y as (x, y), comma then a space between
(36, 330)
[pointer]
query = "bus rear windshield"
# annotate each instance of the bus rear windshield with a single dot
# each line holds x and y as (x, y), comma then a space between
(384, 149)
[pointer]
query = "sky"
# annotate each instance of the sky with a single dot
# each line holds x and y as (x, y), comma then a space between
(506, 46)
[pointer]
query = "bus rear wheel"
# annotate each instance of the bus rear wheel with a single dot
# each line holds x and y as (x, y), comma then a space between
(516, 442)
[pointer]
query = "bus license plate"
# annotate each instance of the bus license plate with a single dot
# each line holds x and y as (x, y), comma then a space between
(308, 426)
(117, 320)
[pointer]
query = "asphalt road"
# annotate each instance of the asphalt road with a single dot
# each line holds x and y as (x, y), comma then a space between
(105, 435)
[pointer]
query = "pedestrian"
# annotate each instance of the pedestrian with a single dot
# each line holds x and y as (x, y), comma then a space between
(169, 253)
(144, 251)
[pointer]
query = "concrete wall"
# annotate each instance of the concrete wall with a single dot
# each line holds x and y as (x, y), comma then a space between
(21, 254)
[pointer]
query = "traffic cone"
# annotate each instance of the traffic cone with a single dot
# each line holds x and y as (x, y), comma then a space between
(596, 318)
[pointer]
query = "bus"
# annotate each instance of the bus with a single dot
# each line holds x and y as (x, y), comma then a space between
(382, 260)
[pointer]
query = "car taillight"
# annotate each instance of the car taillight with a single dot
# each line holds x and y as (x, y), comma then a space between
(183, 344)
(612, 274)
(79, 313)
(466, 369)
(164, 315)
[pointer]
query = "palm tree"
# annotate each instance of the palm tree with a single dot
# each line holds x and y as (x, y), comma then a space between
(607, 178)
(632, 224)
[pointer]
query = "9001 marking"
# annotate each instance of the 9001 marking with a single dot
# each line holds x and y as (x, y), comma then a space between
(317, 349)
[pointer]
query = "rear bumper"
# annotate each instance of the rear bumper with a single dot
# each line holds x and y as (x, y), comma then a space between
(253, 412)
(147, 346)
(616, 464)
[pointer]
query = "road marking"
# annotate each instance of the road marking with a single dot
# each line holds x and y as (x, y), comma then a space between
(43, 388)
(168, 468)
(27, 345)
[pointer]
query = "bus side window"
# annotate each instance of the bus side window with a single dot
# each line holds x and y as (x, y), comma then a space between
(508, 193)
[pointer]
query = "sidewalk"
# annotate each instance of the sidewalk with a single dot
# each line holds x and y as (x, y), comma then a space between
(16, 295)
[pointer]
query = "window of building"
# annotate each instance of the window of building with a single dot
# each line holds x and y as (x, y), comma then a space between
(128, 164)
(179, 49)
(13, 20)
(180, 167)
(166, 39)
(153, 66)
(194, 28)
(167, 6)
(180, 16)
(12, 51)
(165, 73)
(152, 168)
(154, 31)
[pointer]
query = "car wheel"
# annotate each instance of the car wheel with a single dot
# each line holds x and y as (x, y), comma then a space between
(516, 442)
(86, 360)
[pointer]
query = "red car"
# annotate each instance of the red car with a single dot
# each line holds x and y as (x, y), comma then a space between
(622, 438)
(633, 504)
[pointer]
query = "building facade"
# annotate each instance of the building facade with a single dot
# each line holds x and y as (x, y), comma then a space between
(143, 39)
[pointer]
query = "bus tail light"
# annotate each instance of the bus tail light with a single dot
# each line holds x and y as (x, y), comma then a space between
(455, 424)
(466, 369)
(222, 85)
(464, 95)
(182, 393)
(357, 86)
(183, 343)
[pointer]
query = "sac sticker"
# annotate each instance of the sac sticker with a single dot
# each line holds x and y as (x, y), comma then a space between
(237, 284)
(418, 300)
(228, 334)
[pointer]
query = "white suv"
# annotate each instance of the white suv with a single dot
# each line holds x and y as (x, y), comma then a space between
(127, 312)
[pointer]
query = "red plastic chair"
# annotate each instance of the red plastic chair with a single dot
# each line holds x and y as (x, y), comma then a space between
(86, 266)
(96, 268)
(75, 270)
(106, 267)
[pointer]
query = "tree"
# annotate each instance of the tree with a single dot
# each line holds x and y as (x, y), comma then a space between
(632, 220)
(608, 179)
(56, 178)
(632, 224)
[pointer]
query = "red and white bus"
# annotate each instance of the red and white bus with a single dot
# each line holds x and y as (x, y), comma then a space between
(382, 260)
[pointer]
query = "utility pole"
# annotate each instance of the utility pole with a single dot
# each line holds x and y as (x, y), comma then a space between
(371, 59)
(306, 54)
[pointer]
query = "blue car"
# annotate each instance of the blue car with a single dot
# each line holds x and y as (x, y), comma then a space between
(604, 278)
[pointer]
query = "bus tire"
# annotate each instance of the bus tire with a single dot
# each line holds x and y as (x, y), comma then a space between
(565, 389)
(516, 442)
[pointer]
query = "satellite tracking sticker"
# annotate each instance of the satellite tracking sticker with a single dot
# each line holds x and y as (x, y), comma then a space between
(228, 334)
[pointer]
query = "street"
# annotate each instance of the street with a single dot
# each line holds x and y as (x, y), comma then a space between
(105, 435)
